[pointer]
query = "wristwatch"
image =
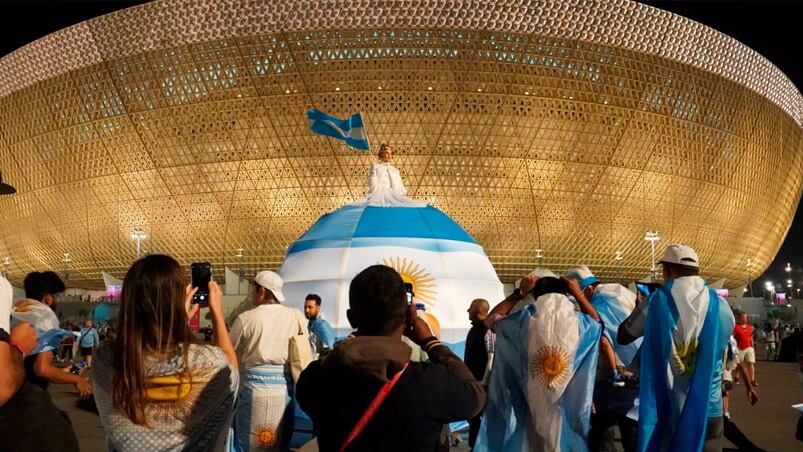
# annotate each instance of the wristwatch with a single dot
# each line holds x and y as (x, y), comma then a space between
(518, 293)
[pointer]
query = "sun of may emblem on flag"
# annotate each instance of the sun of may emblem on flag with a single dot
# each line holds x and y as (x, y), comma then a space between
(264, 435)
(549, 365)
(424, 286)
(685, 357)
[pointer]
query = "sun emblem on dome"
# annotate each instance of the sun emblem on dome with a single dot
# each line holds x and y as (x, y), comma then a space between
(424, 286)
(264, 436)
(550, 365)
(685, 357)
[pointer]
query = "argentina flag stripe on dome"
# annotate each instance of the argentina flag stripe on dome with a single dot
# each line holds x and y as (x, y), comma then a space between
(424, 228)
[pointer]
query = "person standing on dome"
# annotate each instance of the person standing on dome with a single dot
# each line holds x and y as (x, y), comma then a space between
(385, 185)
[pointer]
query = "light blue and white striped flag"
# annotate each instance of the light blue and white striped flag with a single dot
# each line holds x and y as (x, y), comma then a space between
(685, 335)
(350, 130)
(44, 322)
(614, 303)
(542, 381)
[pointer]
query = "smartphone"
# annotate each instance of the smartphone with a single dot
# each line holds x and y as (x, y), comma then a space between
(647, 288)
(201, 273)
(410, 294)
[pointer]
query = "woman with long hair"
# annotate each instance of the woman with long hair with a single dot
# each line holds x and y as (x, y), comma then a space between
(157, 387)
(385, 185)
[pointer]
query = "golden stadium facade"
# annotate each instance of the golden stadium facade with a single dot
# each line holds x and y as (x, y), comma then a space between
(572, 128)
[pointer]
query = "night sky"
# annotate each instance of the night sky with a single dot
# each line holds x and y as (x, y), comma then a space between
(772, 28)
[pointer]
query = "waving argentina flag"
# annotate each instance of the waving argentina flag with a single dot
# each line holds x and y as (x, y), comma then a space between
(542, 380)
(686, 331)
(350, 130)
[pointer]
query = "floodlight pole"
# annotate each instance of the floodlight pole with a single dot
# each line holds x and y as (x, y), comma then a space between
(241, 270)
(139, 236)
(652, 237)
(789, 278)
(67, 261)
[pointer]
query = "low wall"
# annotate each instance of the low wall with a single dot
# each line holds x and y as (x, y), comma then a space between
(757, 308)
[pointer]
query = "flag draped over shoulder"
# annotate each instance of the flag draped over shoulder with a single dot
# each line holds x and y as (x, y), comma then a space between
(614, 303)
(678, 360)
(44, 322)
(545, 362)
(350, 130)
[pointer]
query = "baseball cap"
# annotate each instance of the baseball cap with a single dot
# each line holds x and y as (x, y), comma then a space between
(583, 276)
(271, 281)
(680, 254)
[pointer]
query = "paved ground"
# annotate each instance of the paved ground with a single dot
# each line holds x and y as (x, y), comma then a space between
(770, 424)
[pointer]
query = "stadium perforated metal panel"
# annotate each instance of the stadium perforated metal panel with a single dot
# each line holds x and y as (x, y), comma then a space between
(567, 127)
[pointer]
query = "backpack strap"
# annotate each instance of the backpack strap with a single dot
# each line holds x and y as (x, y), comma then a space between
(372, 408)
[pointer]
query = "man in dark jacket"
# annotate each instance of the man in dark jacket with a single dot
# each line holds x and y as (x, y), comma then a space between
(337, 390)
(476, 355)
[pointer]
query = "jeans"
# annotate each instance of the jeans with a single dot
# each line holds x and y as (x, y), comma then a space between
(30, 421)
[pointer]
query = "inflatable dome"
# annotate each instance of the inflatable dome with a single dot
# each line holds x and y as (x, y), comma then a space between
(445, 265)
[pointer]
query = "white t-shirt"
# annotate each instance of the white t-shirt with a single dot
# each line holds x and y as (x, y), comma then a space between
(6, 300)
(262, 335)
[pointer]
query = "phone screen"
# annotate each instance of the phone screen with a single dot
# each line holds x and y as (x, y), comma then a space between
(643, 288)
(647, 288)
(410, 294)
(201, 275)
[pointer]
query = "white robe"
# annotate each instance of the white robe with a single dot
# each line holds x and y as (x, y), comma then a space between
(386, 188)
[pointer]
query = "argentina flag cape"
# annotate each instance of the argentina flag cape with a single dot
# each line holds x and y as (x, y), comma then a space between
(542, 379)
(614, 303)
(44, 322)
(678, 360)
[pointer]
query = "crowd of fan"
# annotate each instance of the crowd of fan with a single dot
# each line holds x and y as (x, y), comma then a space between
(559, 364)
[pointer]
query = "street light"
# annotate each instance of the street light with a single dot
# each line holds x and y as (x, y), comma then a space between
(139, 236)
(538, 254)
(652, 237)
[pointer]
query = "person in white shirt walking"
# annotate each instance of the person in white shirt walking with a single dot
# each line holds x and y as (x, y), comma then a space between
(261, 338)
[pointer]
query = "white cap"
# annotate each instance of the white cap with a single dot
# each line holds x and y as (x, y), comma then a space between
(681, 255)
(583, 276)
(543, 272)
(271, 281)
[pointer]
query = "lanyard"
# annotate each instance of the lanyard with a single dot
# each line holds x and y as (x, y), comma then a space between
(372, 408)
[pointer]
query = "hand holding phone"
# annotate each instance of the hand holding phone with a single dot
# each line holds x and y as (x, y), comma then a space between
(410, 294)
(201, 273)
